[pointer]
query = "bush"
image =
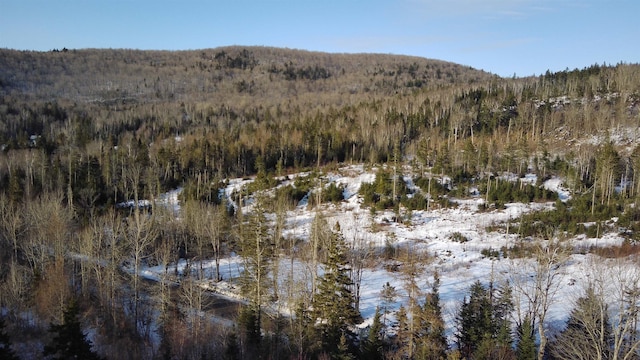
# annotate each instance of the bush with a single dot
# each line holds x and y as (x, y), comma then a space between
(490, 253)
(333, 193)
(458, 237)
(293, 194)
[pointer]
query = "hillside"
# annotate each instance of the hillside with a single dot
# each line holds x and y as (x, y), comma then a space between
(266, 75)
(301, 180)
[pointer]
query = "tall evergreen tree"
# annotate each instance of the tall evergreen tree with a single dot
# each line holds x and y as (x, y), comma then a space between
(484, 331)
(526, 348)
(256, 250)
(333, 305)
(400, 343)
(68, 341)
(474, 320)
(388, 296)
(373, 345)
(433, 344)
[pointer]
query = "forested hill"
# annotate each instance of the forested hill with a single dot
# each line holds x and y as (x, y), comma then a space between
(216, 112)
(267, 75)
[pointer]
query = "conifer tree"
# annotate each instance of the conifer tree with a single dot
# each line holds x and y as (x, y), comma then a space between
(333, 305)
(68, 341)
(474, 320)
(434, 341)
(256, 251)
(484, 330)
(231, 350)
(402, 332)
(388, 296)
(526, 348)
(372, 347)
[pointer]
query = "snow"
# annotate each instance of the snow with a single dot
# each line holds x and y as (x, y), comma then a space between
(555, 184)
(427, 235)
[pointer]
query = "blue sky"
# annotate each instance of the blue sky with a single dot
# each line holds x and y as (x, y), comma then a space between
(505, 37)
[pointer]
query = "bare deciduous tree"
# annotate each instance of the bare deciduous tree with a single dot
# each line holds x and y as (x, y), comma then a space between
(537, 283)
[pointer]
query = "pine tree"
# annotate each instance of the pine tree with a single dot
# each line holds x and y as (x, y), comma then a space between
(474, 320)
(434, 341)
(502, 307)
(231, 350)
(388, 296)
(373, 346)
(402, 332)
(333, 305)
(526, 348)
(68, 341)
(248, 321)
(484, 329)
(256, 250)
(6, 353)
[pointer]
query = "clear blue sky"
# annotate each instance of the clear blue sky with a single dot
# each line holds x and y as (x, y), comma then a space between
(504, 37)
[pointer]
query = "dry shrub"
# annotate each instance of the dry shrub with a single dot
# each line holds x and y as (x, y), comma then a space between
(615, 252)
(52, 291)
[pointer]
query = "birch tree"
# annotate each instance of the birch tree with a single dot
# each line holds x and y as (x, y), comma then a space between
(537, 282)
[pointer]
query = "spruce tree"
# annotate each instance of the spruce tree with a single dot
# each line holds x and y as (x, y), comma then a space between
(68, 341)
(474, 320)
(333, 305)
(502, 307)
(256, 250)
(388, 296)
(402, 332)
(434, 342)
(484, 329)
(373, 345)
(526, 348)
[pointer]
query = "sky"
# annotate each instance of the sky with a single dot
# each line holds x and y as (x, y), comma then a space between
(504, 37)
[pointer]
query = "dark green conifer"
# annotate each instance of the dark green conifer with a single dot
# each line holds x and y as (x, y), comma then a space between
(333, 305)
(526, 348)
(68, 341)
(373, 345)
(434, 341)
(484, 329)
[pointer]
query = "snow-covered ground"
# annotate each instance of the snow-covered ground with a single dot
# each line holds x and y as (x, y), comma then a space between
(428, 235)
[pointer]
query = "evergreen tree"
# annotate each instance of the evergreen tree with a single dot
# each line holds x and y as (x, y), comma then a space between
(373, 346)
(6, 353)
(434, 341)
(388, 296)
(474, 320)
(333, 305)
(484, 329)
(256, 250)
(502, 307)
(526, 348)
(68, 341)
(248, 321)
(402, 332)
(231, 350)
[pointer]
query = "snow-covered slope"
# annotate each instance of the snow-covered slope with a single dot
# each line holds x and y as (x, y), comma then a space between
(429, 237)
